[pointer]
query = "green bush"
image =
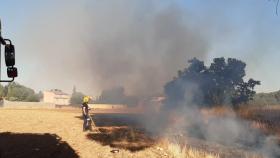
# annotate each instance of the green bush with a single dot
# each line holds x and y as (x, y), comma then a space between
(16, 92)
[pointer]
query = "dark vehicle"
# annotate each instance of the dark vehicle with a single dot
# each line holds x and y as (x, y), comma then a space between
(9, 57)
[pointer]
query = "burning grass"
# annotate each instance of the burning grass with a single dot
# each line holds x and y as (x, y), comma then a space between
(220, 132)
(225, 132)
(122, 137)
(175, 150)
(267, 119)
(133, 141)
(136, 140)
(175, 143)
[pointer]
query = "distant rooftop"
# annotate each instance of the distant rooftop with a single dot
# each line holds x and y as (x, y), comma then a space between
(58, 92)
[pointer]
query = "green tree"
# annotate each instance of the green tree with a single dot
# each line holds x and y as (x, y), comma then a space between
(219, 84)
(2, 91)
(16, 92)
(40, 95)
(76, 97)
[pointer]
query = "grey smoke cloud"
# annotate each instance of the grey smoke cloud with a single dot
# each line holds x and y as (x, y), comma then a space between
(99, 45)
(140, 45)
(141, 51)
(186, 121)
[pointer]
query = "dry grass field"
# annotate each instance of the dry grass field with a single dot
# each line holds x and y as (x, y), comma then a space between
(58, 133)
(266, 118)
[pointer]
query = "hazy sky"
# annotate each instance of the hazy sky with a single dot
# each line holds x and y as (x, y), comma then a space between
(96, 44)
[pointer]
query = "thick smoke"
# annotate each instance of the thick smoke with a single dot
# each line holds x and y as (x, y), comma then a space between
(141, 52)
(99, 45)
(226, 128)
(140, 45)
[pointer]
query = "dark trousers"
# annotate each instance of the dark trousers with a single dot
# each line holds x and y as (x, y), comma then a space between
(85, 125)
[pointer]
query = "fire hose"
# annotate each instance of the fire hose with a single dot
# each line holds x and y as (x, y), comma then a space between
(93, 124)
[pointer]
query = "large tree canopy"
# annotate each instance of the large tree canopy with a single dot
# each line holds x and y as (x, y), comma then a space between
(16, 92)
(219, 84)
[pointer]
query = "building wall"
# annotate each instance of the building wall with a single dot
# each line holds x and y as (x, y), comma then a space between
(27, 105)
(48, 97)
(62, 99)
(51, 97)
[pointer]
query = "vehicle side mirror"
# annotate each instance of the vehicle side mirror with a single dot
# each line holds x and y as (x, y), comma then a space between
(10, 55)
(12, 72)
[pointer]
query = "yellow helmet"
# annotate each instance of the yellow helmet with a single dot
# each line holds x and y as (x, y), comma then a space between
(86, 99)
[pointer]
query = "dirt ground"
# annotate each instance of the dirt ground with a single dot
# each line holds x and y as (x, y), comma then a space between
(33, 132)
(55, 133)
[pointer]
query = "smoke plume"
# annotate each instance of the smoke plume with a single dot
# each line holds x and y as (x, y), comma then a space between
(184, 117)
(139, 45)
(104, 44)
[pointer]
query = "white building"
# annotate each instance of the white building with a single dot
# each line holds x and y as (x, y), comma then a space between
(56, 96)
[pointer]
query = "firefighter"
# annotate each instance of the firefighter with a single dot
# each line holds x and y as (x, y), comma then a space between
(85, 111)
